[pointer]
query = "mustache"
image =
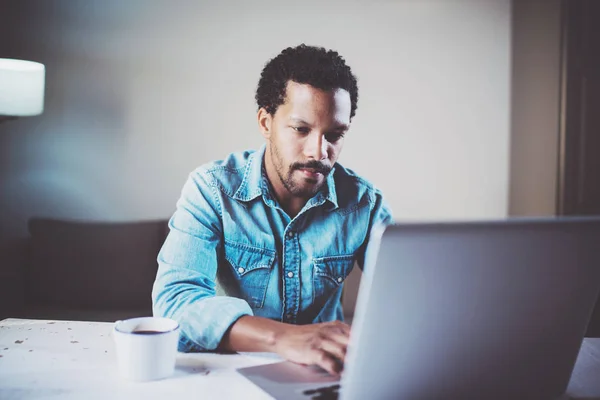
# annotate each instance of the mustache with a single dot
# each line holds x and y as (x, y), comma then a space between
(314, 165)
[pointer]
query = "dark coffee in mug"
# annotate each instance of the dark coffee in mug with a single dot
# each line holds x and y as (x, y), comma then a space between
(146, 332)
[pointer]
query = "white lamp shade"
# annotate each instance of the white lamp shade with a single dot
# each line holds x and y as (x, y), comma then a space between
(21, 87)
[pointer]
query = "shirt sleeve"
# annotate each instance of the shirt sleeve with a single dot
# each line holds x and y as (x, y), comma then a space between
(380, 217)
(185, 288)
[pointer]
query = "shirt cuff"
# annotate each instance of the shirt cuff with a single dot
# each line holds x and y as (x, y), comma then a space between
(204, 322)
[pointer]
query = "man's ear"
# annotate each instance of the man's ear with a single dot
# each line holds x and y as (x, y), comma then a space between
(265, 121)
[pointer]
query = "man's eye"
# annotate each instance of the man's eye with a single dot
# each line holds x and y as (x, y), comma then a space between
(334, 137)
(301, 129)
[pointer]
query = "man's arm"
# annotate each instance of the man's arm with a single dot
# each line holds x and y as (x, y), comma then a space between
(380, 217)
(323, 344)
(185, 289)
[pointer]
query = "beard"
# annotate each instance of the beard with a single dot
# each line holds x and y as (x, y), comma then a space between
(298, 187)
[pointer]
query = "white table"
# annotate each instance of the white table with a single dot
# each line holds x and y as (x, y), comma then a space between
(76, 360)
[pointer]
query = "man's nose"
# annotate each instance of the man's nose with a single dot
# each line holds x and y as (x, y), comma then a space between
(316, 147)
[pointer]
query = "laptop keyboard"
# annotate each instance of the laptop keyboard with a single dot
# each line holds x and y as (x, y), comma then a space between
(324, 393)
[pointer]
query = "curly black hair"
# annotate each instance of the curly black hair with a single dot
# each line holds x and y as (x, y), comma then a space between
(315, 66)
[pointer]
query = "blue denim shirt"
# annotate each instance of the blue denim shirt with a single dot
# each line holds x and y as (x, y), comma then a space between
(228, 227)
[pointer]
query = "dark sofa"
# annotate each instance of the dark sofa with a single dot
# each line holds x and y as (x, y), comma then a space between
(97, 271)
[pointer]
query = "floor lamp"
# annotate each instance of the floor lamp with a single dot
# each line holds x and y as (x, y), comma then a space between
(21, 88)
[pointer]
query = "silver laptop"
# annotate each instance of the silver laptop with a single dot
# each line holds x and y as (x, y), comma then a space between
(493, 310)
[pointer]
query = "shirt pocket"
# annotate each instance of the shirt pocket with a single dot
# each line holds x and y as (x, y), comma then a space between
(252, 268)
(329, 274)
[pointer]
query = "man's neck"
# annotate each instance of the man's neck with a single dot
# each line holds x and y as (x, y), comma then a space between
(292, 205)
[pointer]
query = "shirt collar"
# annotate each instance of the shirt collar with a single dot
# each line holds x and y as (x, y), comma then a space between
(329, 190)
(251, 186)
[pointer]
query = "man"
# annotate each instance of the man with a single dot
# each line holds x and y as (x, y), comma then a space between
(280, 228)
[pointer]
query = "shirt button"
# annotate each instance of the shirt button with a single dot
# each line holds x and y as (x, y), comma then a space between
(240, 270)
(290, 234)
(290, 274)
(340, 279)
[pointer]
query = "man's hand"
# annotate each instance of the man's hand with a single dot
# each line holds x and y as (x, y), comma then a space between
(321, 344)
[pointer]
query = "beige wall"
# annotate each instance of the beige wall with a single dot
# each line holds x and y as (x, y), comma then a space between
(535, 107)
(140, 92)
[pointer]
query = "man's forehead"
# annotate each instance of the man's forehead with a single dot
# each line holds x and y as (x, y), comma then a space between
(304, 101)
(338, 122)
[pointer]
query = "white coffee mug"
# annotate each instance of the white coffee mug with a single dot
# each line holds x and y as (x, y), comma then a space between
(146, 347)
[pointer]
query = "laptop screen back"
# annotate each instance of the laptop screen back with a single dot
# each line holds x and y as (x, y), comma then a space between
(474, 310)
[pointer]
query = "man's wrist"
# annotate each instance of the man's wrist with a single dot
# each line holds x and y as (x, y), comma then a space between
(279, 331)
(250, 333)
